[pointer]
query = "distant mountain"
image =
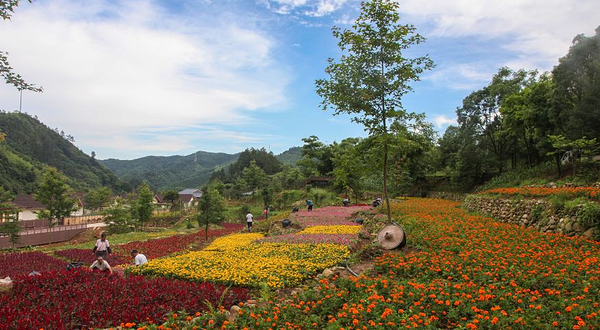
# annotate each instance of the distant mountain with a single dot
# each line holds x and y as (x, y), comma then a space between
(180, 172)
(29, 146)
(290, 156)
(170, 172)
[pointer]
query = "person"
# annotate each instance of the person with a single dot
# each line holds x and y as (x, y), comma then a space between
(377, 202)
(138, 258)
(309, 204)
(346, 202)
(102, 247)
(101, 265)
(249, 220)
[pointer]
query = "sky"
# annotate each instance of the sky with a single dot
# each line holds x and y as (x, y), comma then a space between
(131, 78)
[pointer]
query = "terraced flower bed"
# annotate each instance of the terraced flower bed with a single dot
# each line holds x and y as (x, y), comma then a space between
(590, 192)
(342, 239)
(80, 299)
(245, 263)
(329, 216)
(86, 257)
(23, 263)
(469, 272)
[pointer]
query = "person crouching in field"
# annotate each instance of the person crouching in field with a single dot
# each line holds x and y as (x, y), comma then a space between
(101, 265)
(138, 258)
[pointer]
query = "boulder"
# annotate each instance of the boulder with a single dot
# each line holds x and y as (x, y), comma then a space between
(591, 233)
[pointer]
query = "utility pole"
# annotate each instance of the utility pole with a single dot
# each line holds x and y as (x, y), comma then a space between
(20, 100)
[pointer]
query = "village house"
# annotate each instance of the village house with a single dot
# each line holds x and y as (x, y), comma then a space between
(30, 207)
(188, 198)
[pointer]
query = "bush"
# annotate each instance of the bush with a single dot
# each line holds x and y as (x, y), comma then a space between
(589, 214)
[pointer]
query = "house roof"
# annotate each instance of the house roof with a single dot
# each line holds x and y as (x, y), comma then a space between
(190, 191)
(27, 202)
(159, 198)
(186, 198)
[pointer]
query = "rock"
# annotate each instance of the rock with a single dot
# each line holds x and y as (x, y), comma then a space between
(568, 227)
(327, 272)
(577, 227)
(591, 233)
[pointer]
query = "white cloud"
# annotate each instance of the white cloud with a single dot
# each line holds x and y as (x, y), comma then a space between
(442, 120)
(542, 29)
(460, 76)
(314, 8)
(114, 69)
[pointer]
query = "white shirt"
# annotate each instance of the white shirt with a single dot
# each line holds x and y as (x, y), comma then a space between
(249, 217)
(101, 266)
(102, 245)
(140, 259)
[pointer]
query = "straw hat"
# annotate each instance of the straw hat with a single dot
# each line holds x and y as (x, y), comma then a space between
(391, 236)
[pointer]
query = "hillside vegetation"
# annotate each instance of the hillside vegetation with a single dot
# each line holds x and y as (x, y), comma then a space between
(29, 146)
(180, 172)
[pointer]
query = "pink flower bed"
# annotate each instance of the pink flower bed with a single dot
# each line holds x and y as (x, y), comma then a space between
(15, 264)
(87, 257)
(81, 299)
(342, 239)
(328, 216)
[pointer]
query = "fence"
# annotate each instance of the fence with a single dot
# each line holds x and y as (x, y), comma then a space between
(44, 235)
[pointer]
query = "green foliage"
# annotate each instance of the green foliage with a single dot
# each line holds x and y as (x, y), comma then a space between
(143, 207)
(589, 214)
(10, 226)
(173, 172)
(30, 147)
(559, 200)
(254, 177)
(576, 100)
(290, 156)
(322, 197)
(98, 198)
(119, 218)
(56, 196)
(12, 229)
(373, 74)
(212, 209)
(286, 198)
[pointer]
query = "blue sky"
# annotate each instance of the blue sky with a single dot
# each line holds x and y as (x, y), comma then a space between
(141, 77)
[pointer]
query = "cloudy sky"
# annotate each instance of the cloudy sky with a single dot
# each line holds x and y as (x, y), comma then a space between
(147, 77)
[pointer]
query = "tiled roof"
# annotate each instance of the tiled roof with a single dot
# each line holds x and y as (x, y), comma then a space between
(27, 202)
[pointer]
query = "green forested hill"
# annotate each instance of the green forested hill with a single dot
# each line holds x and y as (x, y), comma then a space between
(172, 172)
(29, 146)
(290, 156)
(180, 172)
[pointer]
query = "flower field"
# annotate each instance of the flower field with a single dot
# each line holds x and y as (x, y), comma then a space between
(161, 247)
(328, 216)
(87, 257)
(339, 229)
(469, 272)
(81, 299)
(237, 260)
(342, 239)
(590, 192)
(15, 264)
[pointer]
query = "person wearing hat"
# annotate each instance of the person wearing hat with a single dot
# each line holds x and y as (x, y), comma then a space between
(101, 265)
(138, 258)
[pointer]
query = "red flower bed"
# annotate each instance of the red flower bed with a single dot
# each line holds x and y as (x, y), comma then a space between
(161, 247)
(87, 257)
(82, 299)
(14, 264)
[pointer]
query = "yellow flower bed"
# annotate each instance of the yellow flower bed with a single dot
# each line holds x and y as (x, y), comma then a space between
(341, 229)
(275, 264)
(232, 241)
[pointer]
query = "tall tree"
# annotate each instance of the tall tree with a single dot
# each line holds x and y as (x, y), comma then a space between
(98, 198)
(9, 221)
(56, 196)
(7, 8)
(577, 94)
(374, 74)
(254, 176)
(143, 205)
(212, 209)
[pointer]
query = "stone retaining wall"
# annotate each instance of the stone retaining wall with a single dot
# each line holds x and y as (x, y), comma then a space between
(534, 213)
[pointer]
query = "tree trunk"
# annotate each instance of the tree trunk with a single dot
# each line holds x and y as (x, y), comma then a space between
(558, 165)
(385, 190)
